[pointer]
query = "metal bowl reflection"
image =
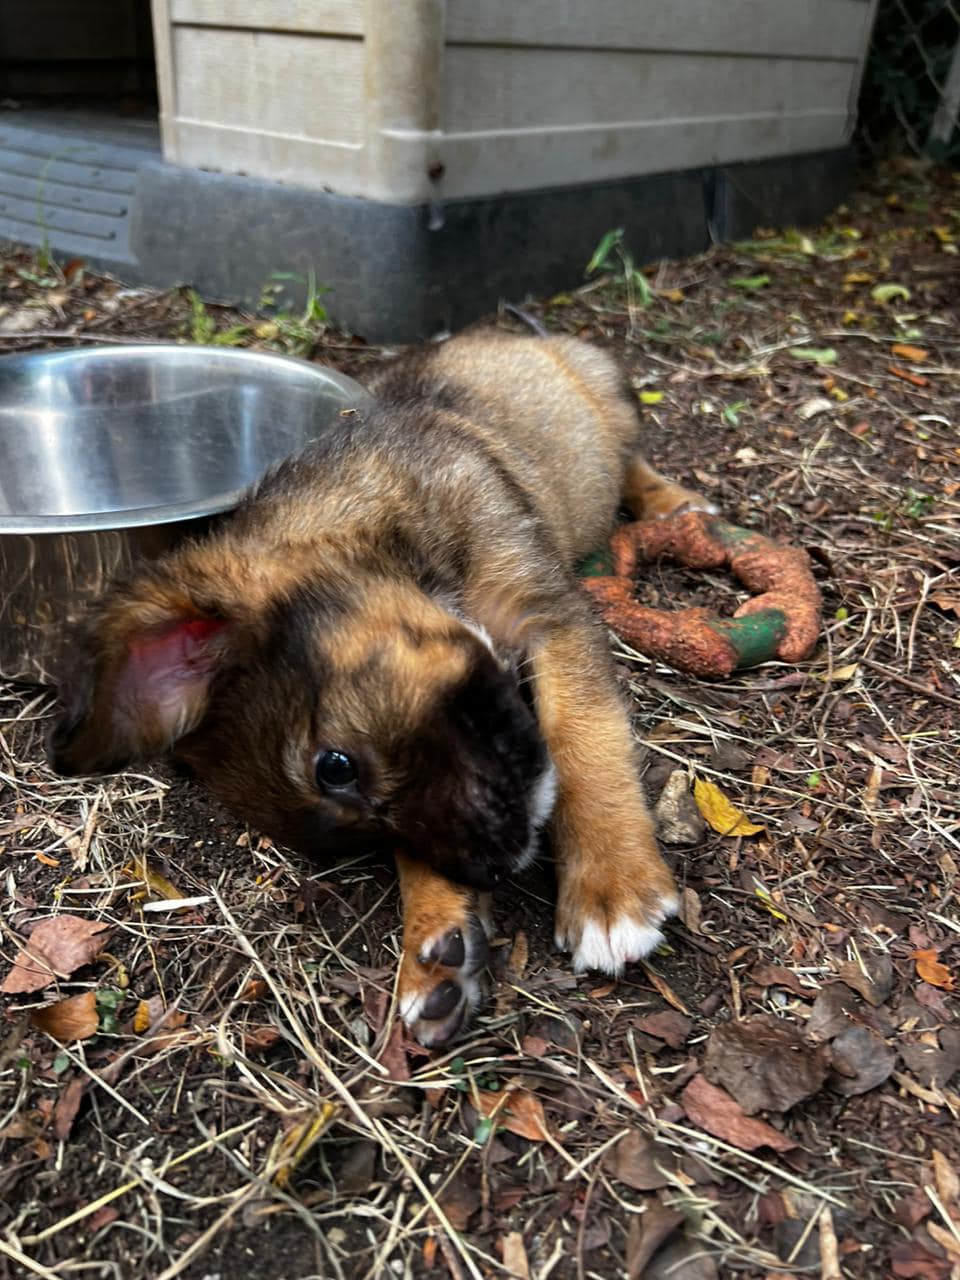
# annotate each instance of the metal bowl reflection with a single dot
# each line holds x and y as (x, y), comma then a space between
(108, 454)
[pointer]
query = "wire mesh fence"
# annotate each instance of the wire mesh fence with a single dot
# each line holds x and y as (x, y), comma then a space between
(910, 97)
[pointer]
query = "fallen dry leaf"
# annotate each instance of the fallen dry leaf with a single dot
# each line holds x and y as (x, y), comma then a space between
(393, 1055)
(260, 1038)
(67, 1020)
(459, 1200)
(56, 948)
(641, 1163)
(647, 1233)
(714, 1110)
(667, 1025)
(515, 1255)
(721, 814)
(67, 1106)
(861, 1061)
(155, 885)
(931, 970)
(948, 601)
(517, 1111)
(875, 984)
(765, 1063)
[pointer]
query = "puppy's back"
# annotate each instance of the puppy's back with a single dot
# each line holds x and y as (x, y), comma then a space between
(555, 411)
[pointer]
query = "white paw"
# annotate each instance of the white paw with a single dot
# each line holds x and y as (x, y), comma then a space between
(442, 986)
(608, 946)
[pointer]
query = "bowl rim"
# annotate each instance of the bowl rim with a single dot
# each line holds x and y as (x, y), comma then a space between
(353, 392)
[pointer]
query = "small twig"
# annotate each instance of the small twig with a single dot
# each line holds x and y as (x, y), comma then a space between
(907, 683)
(829, 1257)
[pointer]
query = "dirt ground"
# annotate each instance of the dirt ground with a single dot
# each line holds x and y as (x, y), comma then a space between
(773, 1094)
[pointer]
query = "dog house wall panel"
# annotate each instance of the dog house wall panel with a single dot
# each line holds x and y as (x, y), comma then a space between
(474, 97)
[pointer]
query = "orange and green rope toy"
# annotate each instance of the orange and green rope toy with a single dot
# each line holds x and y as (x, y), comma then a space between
(782, 620)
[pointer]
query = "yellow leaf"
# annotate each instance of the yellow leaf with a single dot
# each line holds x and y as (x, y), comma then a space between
(851, 317)
(297, 1141)
(944, 235)
(142, 1018)
(841, 673)
(651, 397)
(767, 901)
(156, 885)
(721, 813)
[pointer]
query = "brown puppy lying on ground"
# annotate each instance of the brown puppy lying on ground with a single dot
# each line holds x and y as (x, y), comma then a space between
(386, 645)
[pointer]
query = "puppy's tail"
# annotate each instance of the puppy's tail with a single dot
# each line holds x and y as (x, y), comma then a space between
(532, 322)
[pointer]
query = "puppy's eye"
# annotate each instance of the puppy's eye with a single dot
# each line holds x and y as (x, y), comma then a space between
(335, 769)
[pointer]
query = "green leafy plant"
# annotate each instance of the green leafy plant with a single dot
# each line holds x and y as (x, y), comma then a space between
(203, 326)
(295, 334)
(612, 255)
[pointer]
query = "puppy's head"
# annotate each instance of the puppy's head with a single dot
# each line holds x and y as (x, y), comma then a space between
(329, 714)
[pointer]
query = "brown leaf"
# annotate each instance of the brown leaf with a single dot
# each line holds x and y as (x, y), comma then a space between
(933, 1064)
(647, 1233)
(665, 989)
(774, 975)
(393, 1055)
(73, 1019)
(517, 1111)
(948, 601)
(681, 1258)
(515, 1255)
(909, 1259)
(876, 984)
(931, 970)
(459, 1200)
(861, 1061)
(714, 1110)
(67, 1106)
(765, 1063)
(260, 1038)
(667, 1025)
(834, 1010)
(56, 948)
(641, 1163)
(948, 1184)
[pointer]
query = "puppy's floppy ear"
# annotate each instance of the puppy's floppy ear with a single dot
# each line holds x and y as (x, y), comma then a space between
(140, 676)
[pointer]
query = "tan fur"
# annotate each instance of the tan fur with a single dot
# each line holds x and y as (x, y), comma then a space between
(345, 607)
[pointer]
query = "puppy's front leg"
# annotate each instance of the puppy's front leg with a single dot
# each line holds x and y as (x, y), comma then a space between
(615, 890)
(444, 951)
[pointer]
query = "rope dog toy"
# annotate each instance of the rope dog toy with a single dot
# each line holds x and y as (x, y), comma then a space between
(782, 620)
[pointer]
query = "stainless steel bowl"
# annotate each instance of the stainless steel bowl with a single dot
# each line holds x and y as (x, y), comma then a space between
(108, 454)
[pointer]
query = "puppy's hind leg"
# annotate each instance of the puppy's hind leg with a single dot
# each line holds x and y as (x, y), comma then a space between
(444, 952)
(651, 496)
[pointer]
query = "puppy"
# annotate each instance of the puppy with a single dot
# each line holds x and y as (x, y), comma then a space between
(386, 645)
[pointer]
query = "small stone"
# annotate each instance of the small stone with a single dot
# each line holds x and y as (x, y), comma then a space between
(678, 819)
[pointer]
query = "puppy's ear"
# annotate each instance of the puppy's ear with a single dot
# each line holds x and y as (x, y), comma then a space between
(139, 678)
